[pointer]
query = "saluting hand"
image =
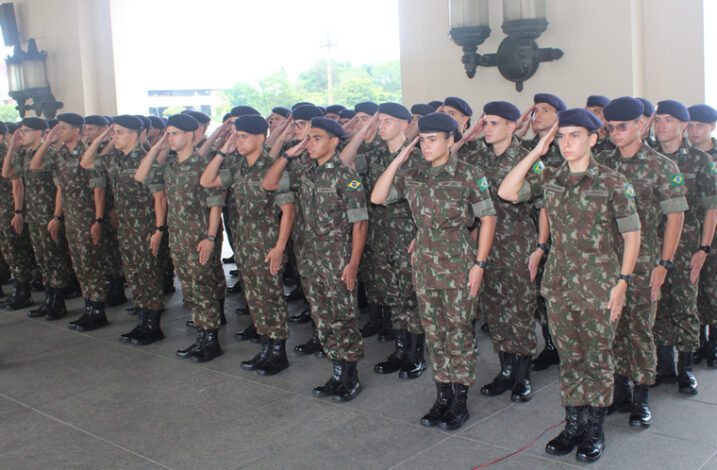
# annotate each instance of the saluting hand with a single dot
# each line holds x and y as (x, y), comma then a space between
(297, 149)
(403, 156)
(545, 141)
(524, 122)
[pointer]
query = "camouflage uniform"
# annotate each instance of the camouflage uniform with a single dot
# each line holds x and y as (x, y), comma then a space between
(330, 199)
(256, 230)
(657, 194)
(52, 256)
(582, 267)
(445, 201)
(203, 286)
(707, 296)
(678, 321)
(391, 230)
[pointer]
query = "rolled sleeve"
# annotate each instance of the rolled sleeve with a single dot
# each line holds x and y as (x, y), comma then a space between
(677, 204)
(357, 215)
(709, 202)
(525, 193)
(483, 208)
(215, 198)
(630, 223)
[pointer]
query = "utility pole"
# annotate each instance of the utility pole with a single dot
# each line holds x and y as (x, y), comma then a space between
(329, 69)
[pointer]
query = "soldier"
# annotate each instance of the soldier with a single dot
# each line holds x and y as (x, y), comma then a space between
(703, 119)
(596, 104)
(84, 214)
(261, 236)
(585, 283)
(142, 223)
(279, 115)
(346, 115)
(677, 324)
(333, 111)
(445, 195)
(156, 130)
(658, 194)
(195, 248)
(334, 219)
(200, 133)
(646, 122)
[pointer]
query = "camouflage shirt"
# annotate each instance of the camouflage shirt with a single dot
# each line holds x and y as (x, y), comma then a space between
(77, 195)
(7, 203)
(40, 189)
(553, 158)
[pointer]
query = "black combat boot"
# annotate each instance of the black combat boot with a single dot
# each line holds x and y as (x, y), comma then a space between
(20, 297)
(397, 357)
(168, 283)
(72, 289)
(137, 330)
(44, 309)
(522, 389)
(712, 351)
(385, 332)
(261, 356)
(415, 362)
(73, 325)
(593, 443)
(549, 355)
(151, 331)
(701, 352)
(209, 349)
(303, 316)
(277, 360)
(686, 379)
(444, 396)
(572, 435)
(313, 346)
(640, 416)
(58, 309)
(622, 395)
(96, 317)
(504, 380)
(331, 385)
(457, 413)
(665, 366)
(297, 293)
(247, 334)
(373, 325)
(189, 350)
(115, 292)
(349, 386)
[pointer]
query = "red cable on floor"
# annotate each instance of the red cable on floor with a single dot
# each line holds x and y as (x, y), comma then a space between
(525, 447)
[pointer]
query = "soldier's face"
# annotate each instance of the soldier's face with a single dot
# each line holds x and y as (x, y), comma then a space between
(699, 132)
(333, 116)
(30, 137)
(178, 139)
(320, 144)
(497, 129)
(461, 118)
(275, 121)
(668, 128)
(362, 118)
(390, 127)
(124, 139)
(68, 133)
(344, 121)
(90, 132)
(544, 116)
(624, 133)
(597, 111)
(301, 127)
(575, 142)
(434, 145)
(248, 143)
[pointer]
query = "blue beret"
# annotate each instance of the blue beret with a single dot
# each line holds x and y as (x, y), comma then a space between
(3, 128)
(503, 109)
(625, 108)
(329, 125)
(597, 100)
(552, 100)
(251, 124)
(199, 116)
(649, 107)
(396, 110)
(157, 123)
(366, 107)
(109, 119)
(301, 103)
(323, 109)
(459, 104)
(183, 122)
(439, 122)
(306, 113)
(96, 120)
(281, 111)
(226, 117)
(146, 123)
(52, 123)
(243, 111)
(674, 108)
(72, 119)
(579, 117)
(422, 109)
(702, 113)
(335, 109)
(347, 114)
(34, 123)
(435, 104)
(129, 121)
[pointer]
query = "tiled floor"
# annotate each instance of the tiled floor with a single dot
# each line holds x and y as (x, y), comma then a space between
(73, 400)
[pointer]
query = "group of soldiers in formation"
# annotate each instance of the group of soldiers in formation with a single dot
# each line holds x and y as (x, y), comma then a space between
(599, 227)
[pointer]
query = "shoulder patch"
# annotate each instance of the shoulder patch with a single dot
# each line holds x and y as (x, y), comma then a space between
(483, 184)
(538, 167)
(713, 168)
(677, 179)
(354, 184)
(629, 191)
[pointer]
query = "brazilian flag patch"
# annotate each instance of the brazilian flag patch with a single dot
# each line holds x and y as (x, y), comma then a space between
(629, 191)
(483, 184)
(354, 184)
(713, 168)
(538, 167)
(677, 180)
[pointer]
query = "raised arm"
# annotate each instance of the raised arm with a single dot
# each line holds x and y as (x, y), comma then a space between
(88, 158)
(220, 132)
(282, 138)
(159, 151)
(382, 188)
(510, 187)
(271, 180)
(210, 177)
(348, 154)
(37, 159)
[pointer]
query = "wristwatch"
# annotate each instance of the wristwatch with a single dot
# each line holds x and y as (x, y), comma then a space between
(481, 264)
(705, 248)
(625, 277)
(666, 263)
(543, 246)
(59, 218)
(19, 211)
(211, 238)
(285, 156)
(161, 228)
(99, 220)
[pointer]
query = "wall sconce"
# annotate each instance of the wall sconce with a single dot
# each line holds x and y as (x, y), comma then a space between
(27, 79)
(469, 29)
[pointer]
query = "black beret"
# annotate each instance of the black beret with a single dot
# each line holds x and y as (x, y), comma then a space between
(347, 114)
(129, 121)
(157, 123)
(649, 107)
(597, 100)
(109, 119)
(323, 110)
(435, 104)
(183, 122)
(243, 111)
(459, 104)
(329, 125)
(72, 119)
(503, 109)
(674, 108)
(3, 128)
(96, 120)
(579, 117)
(335, 108)
(199, 117)
(11, 127)
(625, 108)
(306, 113)
(366, 107)
(702, 113)
(146, 123)
(396, 110)
(52, 123)
(422, 109)
(251, 124)
(281, 111)
(226, 117)
(34, 123)
(439, 122)
(552, 100)
(302, 103)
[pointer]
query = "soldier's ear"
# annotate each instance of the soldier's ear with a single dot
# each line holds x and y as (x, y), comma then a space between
(592, 139)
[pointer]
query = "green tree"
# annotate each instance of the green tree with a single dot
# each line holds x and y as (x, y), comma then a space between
(8, 113)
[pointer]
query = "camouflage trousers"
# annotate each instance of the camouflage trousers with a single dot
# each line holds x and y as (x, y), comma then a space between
(707, 295)
(53, 257)
(447, 316)
(112, 260)
(203, 286)
(87, 259)
(141, 267)
(634, 344)
(265, 297)
(583, 338)
(508, 300)
(678, 322)
(17, 251)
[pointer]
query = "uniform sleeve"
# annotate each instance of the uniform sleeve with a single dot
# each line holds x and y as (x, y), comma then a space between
(155, 179)
(284, 195)
(352, 191)
(361, 163)
(214, 196)
(228, 169)
(532, 188)
(707, 184)
(623, 207)
(479, 194)
(99, 174)
(16, 165)
(671, 189)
